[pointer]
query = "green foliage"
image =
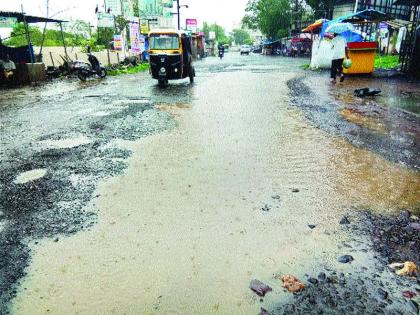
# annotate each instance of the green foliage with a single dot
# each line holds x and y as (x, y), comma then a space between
(221, 37)
(136, 8)
(129, 70)
(121, 23)
(104, 36)
(321, 8)
(53, 37)
(305, 66)
(387, 61)
(241, 37)
(272, 17)
(92, 43)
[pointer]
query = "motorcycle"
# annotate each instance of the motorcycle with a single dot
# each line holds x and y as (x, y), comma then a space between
(94, 67)
(221, 54)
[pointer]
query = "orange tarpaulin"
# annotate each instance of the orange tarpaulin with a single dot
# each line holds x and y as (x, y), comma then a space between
(314, 26)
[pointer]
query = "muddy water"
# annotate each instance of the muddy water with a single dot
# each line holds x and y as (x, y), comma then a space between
(182, 232)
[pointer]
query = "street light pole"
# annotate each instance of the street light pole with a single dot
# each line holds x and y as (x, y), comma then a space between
(179, 15)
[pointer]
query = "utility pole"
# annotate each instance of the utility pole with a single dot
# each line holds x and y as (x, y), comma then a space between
(179, 15)
(178, 9)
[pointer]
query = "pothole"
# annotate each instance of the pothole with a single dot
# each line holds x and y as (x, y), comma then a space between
(29, 176)
(66, 143)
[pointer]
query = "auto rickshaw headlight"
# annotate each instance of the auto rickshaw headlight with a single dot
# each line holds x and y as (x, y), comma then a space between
(163, 70)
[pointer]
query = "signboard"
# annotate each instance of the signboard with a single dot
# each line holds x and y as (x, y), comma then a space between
(7, 22)
(135, 38)
(118, 42)
(144, 26)
(212, 35)
(191, 25)
(105, 20)
(114, 6)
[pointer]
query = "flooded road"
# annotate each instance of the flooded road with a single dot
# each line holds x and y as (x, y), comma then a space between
(205, 188)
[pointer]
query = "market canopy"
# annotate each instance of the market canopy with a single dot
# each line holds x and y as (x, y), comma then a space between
(20, 17)
(368, 15)
(268, 42)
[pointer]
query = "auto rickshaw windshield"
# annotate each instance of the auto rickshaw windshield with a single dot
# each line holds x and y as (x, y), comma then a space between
(164, 41)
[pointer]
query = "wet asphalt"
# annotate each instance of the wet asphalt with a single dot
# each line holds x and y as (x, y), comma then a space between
(72, 135)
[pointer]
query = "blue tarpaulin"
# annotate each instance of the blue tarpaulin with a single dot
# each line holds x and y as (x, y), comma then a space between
(368, 15)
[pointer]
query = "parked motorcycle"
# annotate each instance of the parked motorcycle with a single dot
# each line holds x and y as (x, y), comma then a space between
(94, 67)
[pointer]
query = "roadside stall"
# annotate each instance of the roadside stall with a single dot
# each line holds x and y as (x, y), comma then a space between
(301, 45)
(270, 47)
(361, 39)
(198, 45)
(29, 66)
(362, 51)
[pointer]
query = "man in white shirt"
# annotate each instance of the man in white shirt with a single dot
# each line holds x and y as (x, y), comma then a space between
(9, 67)
(339, 48)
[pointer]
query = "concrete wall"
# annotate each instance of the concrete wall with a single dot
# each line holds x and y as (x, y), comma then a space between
(75, 53)
(343, 9)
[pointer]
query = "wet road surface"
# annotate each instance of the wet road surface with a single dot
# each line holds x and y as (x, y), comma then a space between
(122, 198)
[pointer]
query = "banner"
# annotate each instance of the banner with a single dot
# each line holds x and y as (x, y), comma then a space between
(142, 43)
(144, 26)
(118, 42)
(191, 25)
(135, 38)
(7, 22)
(105, 20)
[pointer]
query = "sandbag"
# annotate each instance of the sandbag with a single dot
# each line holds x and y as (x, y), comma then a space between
(321, 54)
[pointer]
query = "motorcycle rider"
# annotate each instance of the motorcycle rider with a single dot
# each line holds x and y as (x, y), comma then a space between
(221, 50)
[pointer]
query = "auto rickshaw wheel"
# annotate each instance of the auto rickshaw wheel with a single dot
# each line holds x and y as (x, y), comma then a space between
(163, 83)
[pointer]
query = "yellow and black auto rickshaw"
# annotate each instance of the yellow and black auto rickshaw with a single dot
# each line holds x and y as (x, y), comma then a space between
(170, 56)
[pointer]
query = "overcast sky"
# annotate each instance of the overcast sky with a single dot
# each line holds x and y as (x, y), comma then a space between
(225, 12)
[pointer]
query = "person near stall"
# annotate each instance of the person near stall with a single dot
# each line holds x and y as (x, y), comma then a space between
(339, 52)
(7, 67)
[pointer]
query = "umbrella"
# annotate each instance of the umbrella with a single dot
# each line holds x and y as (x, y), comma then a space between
(339, 28)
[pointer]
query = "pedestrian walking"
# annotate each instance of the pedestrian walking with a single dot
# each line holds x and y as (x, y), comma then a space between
(339, 52)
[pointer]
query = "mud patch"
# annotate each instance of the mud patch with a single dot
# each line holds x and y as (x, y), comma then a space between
(357, 117)
(389, 132)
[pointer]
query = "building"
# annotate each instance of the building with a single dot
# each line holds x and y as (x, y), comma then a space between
(345, 7)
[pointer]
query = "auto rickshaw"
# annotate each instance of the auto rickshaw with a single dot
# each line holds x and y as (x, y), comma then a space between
(170, 56)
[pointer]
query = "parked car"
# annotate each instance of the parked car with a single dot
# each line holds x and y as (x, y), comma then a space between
(245, 49)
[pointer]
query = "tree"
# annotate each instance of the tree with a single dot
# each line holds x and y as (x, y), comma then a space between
(18, 37)
(221, 37)
(241, 37)
(272, 17)
(53, 37)
(321, 8)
